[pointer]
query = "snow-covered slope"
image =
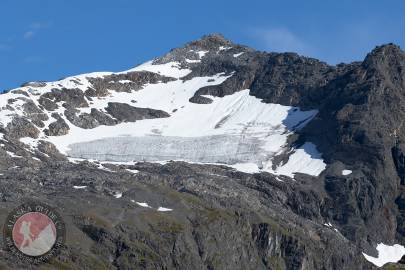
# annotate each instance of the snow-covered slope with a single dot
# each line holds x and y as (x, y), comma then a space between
(237, 130)
(386, 254)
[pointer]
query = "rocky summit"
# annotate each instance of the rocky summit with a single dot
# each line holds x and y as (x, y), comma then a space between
(215, 156)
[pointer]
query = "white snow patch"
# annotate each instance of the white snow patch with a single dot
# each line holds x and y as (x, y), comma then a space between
(246, 167)
(171, 69)
(331, 226)
(164, 209)
(192, 61)
(6, 113)
(32, 143)
(13, 155)
(306, 159)
(238, 54)
(118, 162)
(224, 48)
(143, 204)
(132, 171)
(100, 166)
(386, 254)
(201, 54)
(79, 187)
(76, 160)
(118, 195)
(125, 81)
(346, 172)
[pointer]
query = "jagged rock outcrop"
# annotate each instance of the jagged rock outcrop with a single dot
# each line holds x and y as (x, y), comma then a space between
(126, 113)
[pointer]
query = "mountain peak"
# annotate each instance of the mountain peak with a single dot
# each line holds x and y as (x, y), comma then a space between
(387, 53)
(386, 49)
(211, 42)
(215, 38)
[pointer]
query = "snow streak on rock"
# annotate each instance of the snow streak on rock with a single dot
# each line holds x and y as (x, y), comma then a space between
(346, 172)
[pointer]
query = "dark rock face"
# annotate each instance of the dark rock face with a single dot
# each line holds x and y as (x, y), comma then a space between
(102, 118)
(363, 114)
(48, 104)
(200, 100)
(398, 155)
(34, 84)
(126, 113)
(57, 128)
(222, 218)
(84, 120)
(72, 97)
(21, 127)
(35, 114)
(126, 82)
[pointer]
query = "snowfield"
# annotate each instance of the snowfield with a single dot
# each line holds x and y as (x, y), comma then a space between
(237, 130)
(386, 254)
(346, 172)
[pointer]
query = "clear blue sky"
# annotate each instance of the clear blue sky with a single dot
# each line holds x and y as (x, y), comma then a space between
(50, 39)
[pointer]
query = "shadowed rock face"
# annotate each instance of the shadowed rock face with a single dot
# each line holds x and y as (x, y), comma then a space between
(57, 128)
(126, 113)
(221, 218)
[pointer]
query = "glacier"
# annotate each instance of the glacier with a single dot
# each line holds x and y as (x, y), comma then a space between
(237, 130)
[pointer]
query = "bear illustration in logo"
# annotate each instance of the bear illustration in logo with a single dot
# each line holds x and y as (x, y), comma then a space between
(34, 234)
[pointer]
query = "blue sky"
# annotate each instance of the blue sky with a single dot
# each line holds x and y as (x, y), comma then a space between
(51, 39)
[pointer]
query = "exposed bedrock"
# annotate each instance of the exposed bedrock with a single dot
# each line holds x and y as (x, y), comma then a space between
(125, 82)
(127, 113)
